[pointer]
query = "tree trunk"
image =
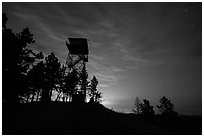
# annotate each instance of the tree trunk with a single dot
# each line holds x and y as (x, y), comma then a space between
(37, 96)
(67, 96)
(33, 95)
(57, 97)
(50, 96)
(63, 98)
(28, 97)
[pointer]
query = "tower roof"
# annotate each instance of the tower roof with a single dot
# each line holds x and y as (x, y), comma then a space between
(78, 46)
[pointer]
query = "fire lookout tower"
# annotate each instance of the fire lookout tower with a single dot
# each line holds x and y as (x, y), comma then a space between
(76, 60)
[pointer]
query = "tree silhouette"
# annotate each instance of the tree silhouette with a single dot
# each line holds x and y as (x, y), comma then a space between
(36, 79)
(137, 109)
(146, 108)
(98, 97)
(166, 108)
(71, 82)
(61, 86)
(95, 95)
(25, 79)
(17, 60)
(51, 77)
(84, 83)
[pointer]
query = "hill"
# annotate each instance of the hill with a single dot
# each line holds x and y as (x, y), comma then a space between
(58, 118)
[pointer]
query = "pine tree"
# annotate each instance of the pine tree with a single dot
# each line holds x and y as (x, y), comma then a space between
(95, 95)
(17, 60)
(166, 108)
(51, 76)
(36, 79)
(71, 82)
(146, 108)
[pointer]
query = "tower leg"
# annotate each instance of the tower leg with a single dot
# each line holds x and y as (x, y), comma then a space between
(84, 81)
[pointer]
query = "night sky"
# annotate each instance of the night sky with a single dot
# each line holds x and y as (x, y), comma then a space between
(147, 50)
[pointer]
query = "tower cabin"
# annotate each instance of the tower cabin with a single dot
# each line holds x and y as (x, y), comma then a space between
(78, 46)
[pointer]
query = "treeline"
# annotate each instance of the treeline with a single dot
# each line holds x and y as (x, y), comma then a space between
(165, 108)
(28, 76)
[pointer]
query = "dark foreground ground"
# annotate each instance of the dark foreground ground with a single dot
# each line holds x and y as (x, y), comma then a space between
(89, 119)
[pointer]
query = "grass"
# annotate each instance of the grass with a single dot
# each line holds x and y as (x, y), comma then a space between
(58, 118)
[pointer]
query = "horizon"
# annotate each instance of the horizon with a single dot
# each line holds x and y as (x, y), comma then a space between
(149, 50)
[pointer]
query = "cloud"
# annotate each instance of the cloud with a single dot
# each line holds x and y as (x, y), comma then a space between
(105, 73)
(116, 69)
(106, 76)
(138, 61)
(132, 56)
(107, 33)
(26, 16)
(103, 85)
(38, 46)
(50, 33)
(97, 57)
(61, 20)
